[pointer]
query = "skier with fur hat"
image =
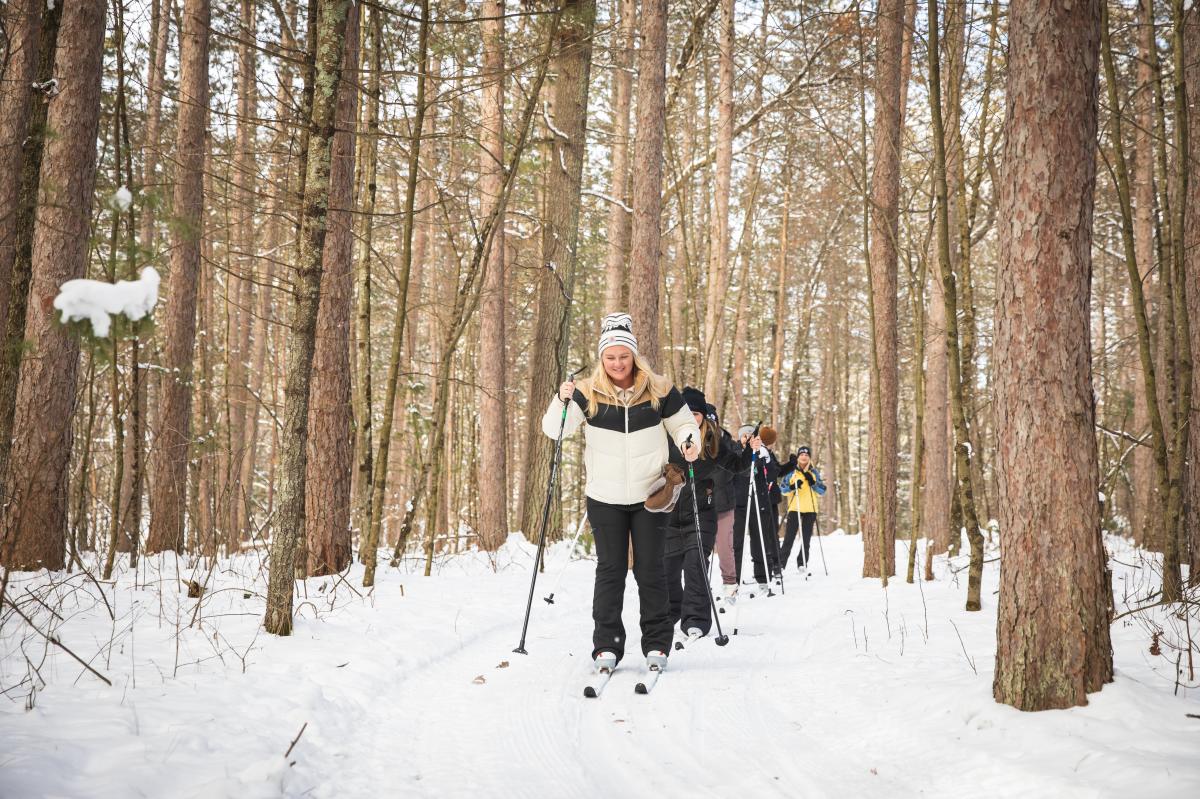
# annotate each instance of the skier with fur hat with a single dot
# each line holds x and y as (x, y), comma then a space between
(628, 413)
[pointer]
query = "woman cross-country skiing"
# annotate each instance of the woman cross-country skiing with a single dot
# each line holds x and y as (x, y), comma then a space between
(803, 485)
(629, 411)
(687, 570)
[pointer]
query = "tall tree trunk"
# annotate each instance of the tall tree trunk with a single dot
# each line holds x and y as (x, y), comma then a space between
(288, 530)
(23, 32)
(616, 297)
(245, 187)
(568, 108)
(1146, 516)
(963, 452)
(172, 447)
(1192, 248)
(780, 314)
(363, 421)
(33, 534)
(330, 449)
(493, 395)
(20, 210)
(646, 236)
(936, 496)
(718, 262)
(370, 544)
(156, 70)
(879, 549)
(1052, 641)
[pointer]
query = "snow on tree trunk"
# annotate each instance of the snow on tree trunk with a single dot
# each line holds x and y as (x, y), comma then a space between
(1053, 633)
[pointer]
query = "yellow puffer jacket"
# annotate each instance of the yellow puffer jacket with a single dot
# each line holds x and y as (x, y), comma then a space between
(802, 497)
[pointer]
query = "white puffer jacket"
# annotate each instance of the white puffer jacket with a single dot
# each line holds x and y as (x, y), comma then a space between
(625, 440)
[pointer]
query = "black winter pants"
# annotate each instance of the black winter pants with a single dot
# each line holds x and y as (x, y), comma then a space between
(765, 522)
(613, 527)
(687, 576)
(805, 521)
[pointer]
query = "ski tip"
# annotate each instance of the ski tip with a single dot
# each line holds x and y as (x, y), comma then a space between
(589, 692)
(640, 688)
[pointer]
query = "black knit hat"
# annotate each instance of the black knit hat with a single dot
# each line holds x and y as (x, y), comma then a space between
(710, 411)
(804, 451)
(694, 398)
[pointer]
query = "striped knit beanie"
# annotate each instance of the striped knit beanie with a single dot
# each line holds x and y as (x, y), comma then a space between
(617, 329)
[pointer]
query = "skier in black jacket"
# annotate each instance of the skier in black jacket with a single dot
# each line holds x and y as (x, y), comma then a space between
(687, 571)
(762, 525)
(723, 499)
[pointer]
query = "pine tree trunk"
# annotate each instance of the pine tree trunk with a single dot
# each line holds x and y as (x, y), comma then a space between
(963, 452)
(718, 262)
(328, 47)
(879, 550)
(330, 448)
(1053, 643)
(370, 543)
(568, 107)
(244, 192)
(19, 216)
(616, 297)
(156, 70)
(936, 496)
(363, 420)
(23, 22)
(35, 511)
(645, 244)
(1192, 248)
(173, 444)
(493, 397)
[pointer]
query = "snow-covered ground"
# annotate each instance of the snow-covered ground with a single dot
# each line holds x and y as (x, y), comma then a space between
(834, 689)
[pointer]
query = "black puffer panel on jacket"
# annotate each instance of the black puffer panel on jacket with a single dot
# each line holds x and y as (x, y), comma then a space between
(681, 523)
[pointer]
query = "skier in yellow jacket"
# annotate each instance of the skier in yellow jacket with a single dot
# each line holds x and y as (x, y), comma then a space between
(803, 485)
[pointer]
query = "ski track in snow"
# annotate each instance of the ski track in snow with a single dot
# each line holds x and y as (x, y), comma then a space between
(832, 689)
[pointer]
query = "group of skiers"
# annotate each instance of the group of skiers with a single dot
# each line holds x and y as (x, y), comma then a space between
(666, 477)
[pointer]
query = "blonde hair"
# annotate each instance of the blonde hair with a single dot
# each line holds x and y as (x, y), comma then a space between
(645, 381)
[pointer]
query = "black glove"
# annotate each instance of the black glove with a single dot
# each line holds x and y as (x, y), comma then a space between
(808, 478)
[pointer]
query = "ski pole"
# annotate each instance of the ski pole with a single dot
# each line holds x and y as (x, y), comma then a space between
(762, 532)
(722, 639)
(562, 425)
(549, 600)
(820, 546)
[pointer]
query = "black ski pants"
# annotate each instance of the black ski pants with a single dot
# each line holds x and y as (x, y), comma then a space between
(804, 522)
(766, 523)
(614, 526)
(687, 578)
